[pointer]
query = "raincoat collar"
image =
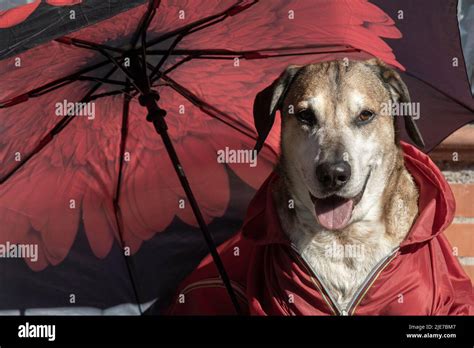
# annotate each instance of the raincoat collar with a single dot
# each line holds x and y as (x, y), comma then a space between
(436, 204)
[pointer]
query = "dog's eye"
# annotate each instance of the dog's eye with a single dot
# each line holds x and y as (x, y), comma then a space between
(365, 116)
(306, 116)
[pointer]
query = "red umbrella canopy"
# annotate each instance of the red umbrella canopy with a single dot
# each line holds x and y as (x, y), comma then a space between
(91, 183)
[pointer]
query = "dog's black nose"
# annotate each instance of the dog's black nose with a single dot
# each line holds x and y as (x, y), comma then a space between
(333, 175)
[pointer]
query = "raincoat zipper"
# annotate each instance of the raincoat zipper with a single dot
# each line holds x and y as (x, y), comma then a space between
(357, 296)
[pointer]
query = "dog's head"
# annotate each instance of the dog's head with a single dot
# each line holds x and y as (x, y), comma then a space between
(338, 137)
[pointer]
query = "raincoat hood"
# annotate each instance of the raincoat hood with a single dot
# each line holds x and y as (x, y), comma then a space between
(422, 277)
(436, 204)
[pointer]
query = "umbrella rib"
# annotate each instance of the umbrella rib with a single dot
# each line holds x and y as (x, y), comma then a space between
(175, 66)
(206, 107)
(156, 69)
(251, 57)
(195, 54)
(209, 109)
(51, 86)
(145, 21)
(80, 42)
(225, 52)
(177, 40)
(111, 93)
(54, 86)
(153, 5)
(123, 139)
(230, 11)
(54, 131)
(98, 79)
(123, 136)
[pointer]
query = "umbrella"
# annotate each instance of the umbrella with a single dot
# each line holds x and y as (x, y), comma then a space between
(121, 124)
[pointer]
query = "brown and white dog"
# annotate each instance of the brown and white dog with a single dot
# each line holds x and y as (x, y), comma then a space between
(341, 167)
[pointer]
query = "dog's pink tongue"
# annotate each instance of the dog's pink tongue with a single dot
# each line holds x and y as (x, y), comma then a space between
(333, 213)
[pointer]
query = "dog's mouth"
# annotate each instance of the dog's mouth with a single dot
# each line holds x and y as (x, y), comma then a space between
(334, 212)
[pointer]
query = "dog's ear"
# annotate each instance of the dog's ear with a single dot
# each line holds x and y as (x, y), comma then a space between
(400, 94)
(268, 101)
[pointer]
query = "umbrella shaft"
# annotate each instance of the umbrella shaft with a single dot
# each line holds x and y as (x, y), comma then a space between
(156, 115)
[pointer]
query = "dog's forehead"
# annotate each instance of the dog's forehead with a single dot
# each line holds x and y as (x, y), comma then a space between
(352, 80)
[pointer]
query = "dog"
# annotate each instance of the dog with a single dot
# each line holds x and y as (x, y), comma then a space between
(341, 167)
(351, 220)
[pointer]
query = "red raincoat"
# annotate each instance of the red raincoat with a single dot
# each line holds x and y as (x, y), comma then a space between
(422, 277)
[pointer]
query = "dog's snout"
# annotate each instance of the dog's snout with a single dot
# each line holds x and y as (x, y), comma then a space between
(333, 175)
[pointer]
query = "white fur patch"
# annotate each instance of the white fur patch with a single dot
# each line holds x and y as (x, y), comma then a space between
(318, 103)
(356, 100)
